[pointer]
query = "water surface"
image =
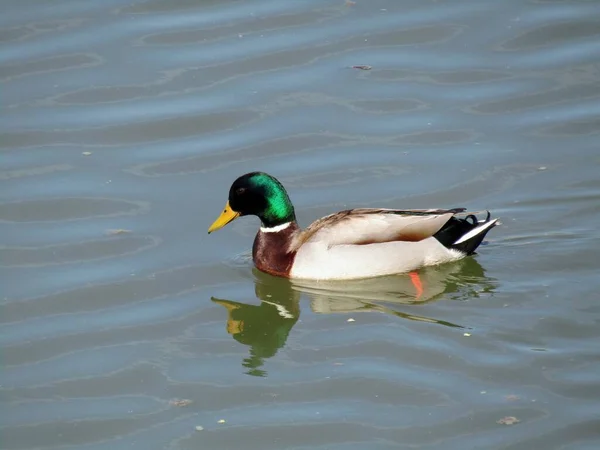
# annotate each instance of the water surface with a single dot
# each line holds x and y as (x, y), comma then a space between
(125, 326)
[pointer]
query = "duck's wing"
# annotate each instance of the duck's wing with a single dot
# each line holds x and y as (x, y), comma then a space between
(369, 226)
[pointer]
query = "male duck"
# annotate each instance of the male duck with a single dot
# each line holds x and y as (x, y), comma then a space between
(356, 243)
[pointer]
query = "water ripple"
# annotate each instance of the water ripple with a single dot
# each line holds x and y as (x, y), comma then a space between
(125, 326)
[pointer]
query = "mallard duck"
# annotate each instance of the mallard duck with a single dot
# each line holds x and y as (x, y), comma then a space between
(351, 244)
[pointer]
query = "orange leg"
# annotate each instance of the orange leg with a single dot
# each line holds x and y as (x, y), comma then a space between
(416, 281)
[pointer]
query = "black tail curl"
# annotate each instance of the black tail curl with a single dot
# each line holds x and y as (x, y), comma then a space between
(456, 228)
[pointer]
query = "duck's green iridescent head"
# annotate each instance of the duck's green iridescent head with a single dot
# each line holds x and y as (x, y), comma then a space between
(258, 194)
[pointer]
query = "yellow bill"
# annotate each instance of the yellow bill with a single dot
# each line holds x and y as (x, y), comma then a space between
(226, 216)
(235, 326)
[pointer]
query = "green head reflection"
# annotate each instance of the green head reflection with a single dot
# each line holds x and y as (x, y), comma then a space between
(264, 327)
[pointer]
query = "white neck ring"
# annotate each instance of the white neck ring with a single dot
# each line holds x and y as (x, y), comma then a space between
(276, 228)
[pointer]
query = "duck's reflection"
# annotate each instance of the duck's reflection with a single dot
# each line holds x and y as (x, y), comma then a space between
(266, 326)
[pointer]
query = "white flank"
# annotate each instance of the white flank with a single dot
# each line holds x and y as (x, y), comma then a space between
(275, 229)
(318, 261)
(476, 231)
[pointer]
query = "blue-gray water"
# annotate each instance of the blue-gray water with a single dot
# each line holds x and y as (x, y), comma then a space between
(123, 123)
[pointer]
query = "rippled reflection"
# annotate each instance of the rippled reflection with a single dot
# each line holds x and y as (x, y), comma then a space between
(265, 327)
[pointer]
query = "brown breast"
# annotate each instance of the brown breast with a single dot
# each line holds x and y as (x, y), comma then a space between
(270, 251)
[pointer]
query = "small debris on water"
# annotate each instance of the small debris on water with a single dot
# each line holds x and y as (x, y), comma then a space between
(350, 320)
(483, 392)
(508, 420)
(338, 363)
(181, 402)
(362, 67)
(221, 421)
(114, 231)
(199, 428)
(512, 397)
(542, 168)
(86, 153)
(467, 334)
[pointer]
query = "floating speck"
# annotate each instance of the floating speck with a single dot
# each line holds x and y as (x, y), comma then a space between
(511, 397)
(483, 392)
(467, 334)
(350, 320)
(362, 67)
(181, 402)
(199, 428)
(542, 168)
(86, 153)
(114, 231)
(508, 420)
(221, 421)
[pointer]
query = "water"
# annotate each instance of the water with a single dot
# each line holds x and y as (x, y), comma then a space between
(125, 326)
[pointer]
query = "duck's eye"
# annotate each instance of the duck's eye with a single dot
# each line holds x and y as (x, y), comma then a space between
(240, 191)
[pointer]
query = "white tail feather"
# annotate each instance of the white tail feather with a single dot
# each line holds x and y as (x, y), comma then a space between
(475, 231)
